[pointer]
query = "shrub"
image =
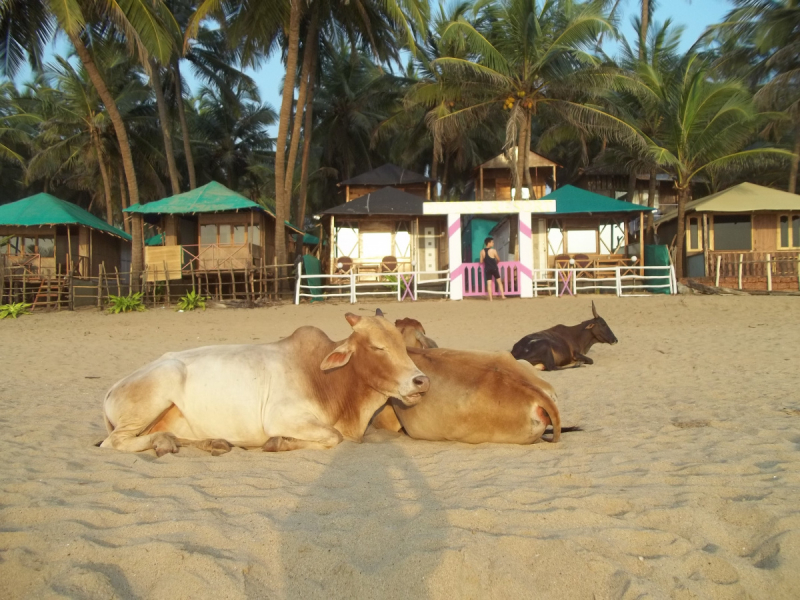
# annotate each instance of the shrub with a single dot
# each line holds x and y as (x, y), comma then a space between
(14, 310)
(130, 303)
(191, 301)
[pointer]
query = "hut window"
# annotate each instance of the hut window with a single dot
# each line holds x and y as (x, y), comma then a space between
(238, 234)
(208, 234)
(732, 232)
(224, 235)
(13, 246)
(789, 227)
(254, 235)
(694, 234)
(46, 247)
(582, 241)
(30, 245)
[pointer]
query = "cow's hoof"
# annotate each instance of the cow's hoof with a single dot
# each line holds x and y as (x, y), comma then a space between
(165, 444)
(273, 444)
(219, 447)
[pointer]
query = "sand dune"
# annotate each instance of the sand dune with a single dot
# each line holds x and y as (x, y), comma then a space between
(684, 484)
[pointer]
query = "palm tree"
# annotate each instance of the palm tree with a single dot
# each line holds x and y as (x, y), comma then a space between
(26, 26)
(707, 129)
(528, 59)
(760, 40)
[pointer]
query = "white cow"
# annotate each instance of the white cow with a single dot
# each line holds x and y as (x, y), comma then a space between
(305, 391)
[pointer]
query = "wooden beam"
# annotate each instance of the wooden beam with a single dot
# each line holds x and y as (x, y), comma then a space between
(346, 196)
(706, 246)
(481, 186)
(332, 246)
(641, 241)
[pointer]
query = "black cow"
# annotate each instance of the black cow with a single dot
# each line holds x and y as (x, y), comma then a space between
(561, 346)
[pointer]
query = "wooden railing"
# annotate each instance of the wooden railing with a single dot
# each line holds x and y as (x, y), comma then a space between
(753, 264)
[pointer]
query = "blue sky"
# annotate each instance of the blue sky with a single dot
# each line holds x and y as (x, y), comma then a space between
(694, 15)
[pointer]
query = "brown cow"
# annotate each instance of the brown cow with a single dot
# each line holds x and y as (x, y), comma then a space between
(475, 397)
(305, 391)
(563, 347)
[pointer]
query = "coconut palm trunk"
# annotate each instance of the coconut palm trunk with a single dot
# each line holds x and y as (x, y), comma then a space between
(632, 184)
(283, 128)
(101, 161)
(187, 143)
(795, 164)
(294, 142)
(166, 126)
(526, 147)
(123, 198)
(683, 198)
(137, 252)
(520, 161)
(651, 202)
(307, 135)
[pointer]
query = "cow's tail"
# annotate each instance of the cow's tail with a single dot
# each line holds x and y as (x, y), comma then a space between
(549, 406)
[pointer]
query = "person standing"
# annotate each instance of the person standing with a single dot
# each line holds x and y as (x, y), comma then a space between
(491, 270)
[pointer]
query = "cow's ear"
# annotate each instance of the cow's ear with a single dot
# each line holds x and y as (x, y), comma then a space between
(590, 325)
(378, 312)
(338, 358)
(352, 319)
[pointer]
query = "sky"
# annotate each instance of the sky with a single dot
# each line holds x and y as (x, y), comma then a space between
(694, 15)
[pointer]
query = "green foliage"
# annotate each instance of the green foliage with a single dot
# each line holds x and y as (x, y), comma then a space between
(130, 303)
(14, 310)
(191, 301)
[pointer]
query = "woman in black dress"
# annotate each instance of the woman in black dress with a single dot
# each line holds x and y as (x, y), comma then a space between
(489, 260)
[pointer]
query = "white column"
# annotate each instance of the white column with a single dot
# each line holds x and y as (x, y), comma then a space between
(454, 256)
(525, 256)
(540, 247)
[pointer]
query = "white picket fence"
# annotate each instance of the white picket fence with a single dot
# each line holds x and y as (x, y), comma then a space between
(406, 285)
(622, 281)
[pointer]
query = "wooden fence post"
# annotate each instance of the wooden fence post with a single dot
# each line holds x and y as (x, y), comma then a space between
(166, 283)
(275, 266)
(798, 272)
(741, 259)
(719, 263)
(769, 272)
(100, 286)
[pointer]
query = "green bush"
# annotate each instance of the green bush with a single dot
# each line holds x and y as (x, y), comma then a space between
(14, 310)
(130, 303)
(191, 301)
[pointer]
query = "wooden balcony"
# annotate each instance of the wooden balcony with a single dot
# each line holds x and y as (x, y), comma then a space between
(172, 262)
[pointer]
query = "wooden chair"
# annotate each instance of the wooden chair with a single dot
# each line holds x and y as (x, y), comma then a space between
(389, 264)
(342, 266)
(582, 263)
(562, 261)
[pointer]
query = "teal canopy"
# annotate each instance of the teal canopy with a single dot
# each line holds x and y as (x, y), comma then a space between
(43, 210)
(571, 200)
(212, 197)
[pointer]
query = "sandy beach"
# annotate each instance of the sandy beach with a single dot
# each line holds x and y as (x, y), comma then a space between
(683, 484)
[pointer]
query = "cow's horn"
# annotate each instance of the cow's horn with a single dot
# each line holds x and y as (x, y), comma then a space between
(352, 319)
(594, 311)
(378, 312)
(425, 340)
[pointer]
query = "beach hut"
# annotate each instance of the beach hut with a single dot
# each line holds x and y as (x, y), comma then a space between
(211, 230)
(44, 237)
(745, 236)
(382, 231)
(391, 175)
(493, 180)
(597, 229)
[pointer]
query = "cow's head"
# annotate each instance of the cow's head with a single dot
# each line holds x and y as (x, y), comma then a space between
(377, 354)
(414, 334)
(600, 329)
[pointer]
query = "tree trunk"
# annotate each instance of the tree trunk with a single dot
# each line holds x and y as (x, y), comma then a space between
(520, 158)
(106, 181)
(137, 252)
(632, 185)
(123, 199)
(307, 136)
(645, 25)
(683, 195)
(294, 142)
(187, 143)
(435, 169)
(166, 133)
(795, 164)
(651, 202)
(526, 147)
(445, 173)
(283, 128)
